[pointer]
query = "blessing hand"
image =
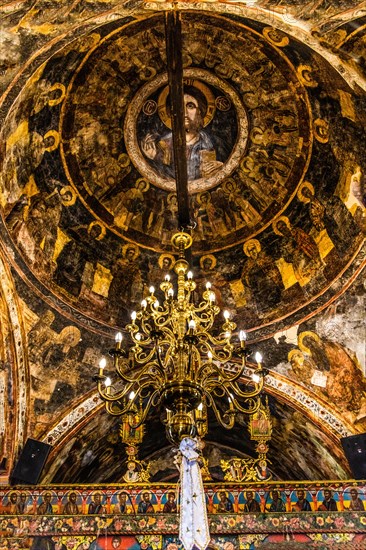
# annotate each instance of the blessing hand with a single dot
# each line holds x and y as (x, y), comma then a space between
(148, 146)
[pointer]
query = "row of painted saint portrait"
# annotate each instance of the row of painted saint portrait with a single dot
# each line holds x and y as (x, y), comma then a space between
(35, 223)
(300, 500)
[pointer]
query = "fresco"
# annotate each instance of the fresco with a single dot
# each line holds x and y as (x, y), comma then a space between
(94, 202)
(277, 196)
(314, 357)
(61, 357)
(207, 113)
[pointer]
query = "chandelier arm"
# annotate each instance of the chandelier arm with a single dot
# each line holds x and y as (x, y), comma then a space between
(221, 374)
(253, 403)
(235, 376)
(204, 317)
(251, 393)
(137, 376)
(168, 334)
(146, 410)
(146, 328)
(113, 409)
(124, 376)
(228, 414)
(158, 357)
(220, 342)
(140, 359)
(205, 345)
(133, 330)
(117, 404)
(162, 322)
(214, 371)
(141, 342)
(208, 305)
(107, 397)
(145, 370)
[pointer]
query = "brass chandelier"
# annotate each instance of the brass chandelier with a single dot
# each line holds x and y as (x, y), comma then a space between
(176, 363)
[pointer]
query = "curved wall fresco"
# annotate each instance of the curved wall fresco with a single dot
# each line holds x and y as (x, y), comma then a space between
(276, 191)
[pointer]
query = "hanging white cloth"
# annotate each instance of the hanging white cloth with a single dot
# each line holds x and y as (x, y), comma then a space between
(193, 529)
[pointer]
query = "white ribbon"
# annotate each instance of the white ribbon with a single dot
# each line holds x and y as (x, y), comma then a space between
(193, 529)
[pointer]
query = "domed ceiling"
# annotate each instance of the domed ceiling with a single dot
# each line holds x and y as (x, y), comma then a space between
(275, 103)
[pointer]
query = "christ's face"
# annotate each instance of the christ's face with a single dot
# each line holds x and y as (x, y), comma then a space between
(192, 115)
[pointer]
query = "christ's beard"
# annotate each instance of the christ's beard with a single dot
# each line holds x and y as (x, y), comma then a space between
(194, 126)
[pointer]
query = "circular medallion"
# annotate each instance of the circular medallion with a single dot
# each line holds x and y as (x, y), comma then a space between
(247, 127)
(210, 104)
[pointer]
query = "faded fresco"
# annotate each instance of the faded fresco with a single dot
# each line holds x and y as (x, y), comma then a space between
(207, 114)
(275, 126)
(97, 184)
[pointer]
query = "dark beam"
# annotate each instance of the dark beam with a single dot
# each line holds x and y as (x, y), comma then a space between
(173, 33)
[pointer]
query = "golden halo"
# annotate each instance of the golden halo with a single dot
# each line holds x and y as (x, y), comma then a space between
(102, 230)
(211, 106)
(127, 246)
(321, 130)
(304, 73)
(68, 189)
(56, 136)
(72, 331)
(162, 258)
(201, 195)
(280, 219)
(57, 86)
(124, 160)
(170, 197)
(275, 37)
(229, 185)
(293, 352)
(300, 340)
(208, 257)
(256, 135)
(256, 243)
(146, 184)
(300, 195)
